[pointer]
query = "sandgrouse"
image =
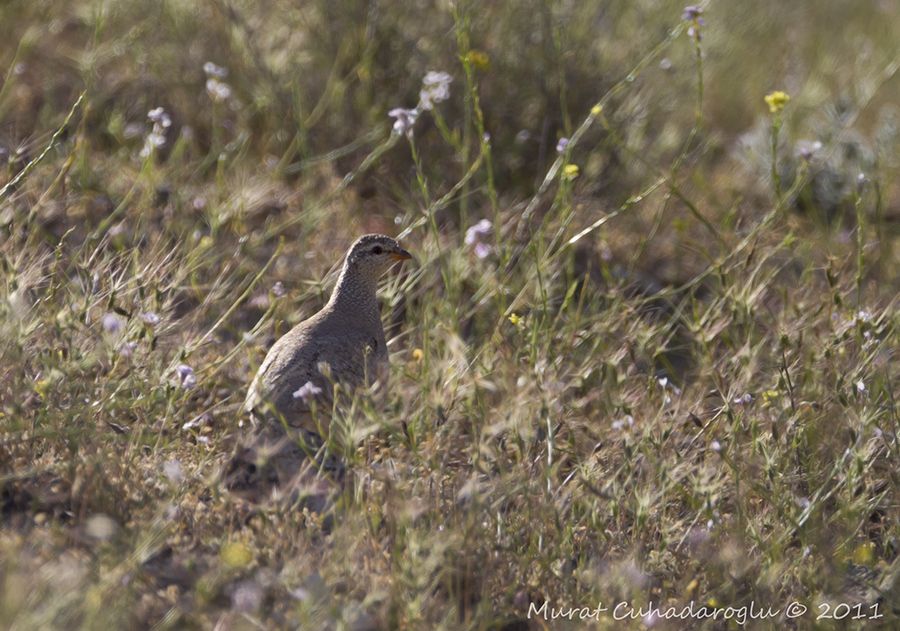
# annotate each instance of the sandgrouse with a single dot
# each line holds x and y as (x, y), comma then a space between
(342, 344)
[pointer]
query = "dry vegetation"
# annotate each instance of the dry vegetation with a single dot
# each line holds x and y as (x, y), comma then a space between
(663, 369)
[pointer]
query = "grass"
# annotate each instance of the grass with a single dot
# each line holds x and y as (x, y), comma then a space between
(667, 374)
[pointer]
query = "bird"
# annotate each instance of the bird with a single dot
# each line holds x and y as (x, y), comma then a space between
(342, 345)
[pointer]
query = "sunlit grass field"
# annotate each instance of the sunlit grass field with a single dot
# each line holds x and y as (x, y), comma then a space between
(646, 352)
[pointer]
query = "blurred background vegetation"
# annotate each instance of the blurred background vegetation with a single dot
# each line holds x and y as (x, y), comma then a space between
(674, 273)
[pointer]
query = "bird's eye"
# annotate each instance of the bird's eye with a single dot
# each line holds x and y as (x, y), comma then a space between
(377, 250)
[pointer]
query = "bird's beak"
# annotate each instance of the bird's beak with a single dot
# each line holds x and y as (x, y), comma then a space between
(401, 255)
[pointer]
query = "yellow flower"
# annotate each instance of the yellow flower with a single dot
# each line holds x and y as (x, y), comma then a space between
(235, 554)
(516, 319)
(570, 171)
(864, 553)
(777, 100)
(478, 59)
(418, 354)
(596, 110)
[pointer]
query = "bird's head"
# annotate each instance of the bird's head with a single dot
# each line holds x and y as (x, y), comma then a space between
(373, 254)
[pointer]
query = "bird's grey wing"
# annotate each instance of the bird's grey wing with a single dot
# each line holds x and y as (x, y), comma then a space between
(290, 364)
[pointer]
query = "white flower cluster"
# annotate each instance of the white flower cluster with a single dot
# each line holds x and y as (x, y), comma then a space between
(218, 90)
(157, 136)
(435, 89)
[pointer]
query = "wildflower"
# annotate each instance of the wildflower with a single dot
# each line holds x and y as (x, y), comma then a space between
(405, 119)
(247, 597)
(278, 289)
(172, 470)
(861, 181)
(133, 130)
(864, 553)
(218, 91)
(692, 14)
(477, 59)
(570, 171)
(150, 318)
(112, 323)
(435, 89)
(745, 399)
(482, 250)
(516, 319)
(776, 101)
(807, 149)
(596, 110)
(157, 136)
(561, 145)
(479, 231)
(860, 386)
(307, 391)
(159, 116)
(477, 236)
(126, 349)
(863, 316)
(236, 554)
(212, 70)
(716, 446)
(186, 377)
(418, 354)
(624, 422)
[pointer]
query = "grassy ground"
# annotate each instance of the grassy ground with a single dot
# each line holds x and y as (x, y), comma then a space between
(662, 371)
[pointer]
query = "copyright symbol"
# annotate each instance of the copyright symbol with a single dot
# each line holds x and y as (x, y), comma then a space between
(795, 610)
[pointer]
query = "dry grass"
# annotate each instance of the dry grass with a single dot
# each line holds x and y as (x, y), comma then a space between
(671, 378)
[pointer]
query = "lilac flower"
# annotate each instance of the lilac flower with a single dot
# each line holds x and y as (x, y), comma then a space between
(186, 377)
(159, 116)
(247, 597)
(482, 250)
(860, 386)
(278, 289)
(745, 399)
(133, 130)
(112, 323)
(692, 12)
(126, 349)
(477, 236)
(212, 70)
(157, 136)
(807, 149)
(405, 119)
(715, 446)
(150, 318)
(435, 89)
(479, 231)
(307, 391)
(218, 91)
(561, 145)
(622, 423)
